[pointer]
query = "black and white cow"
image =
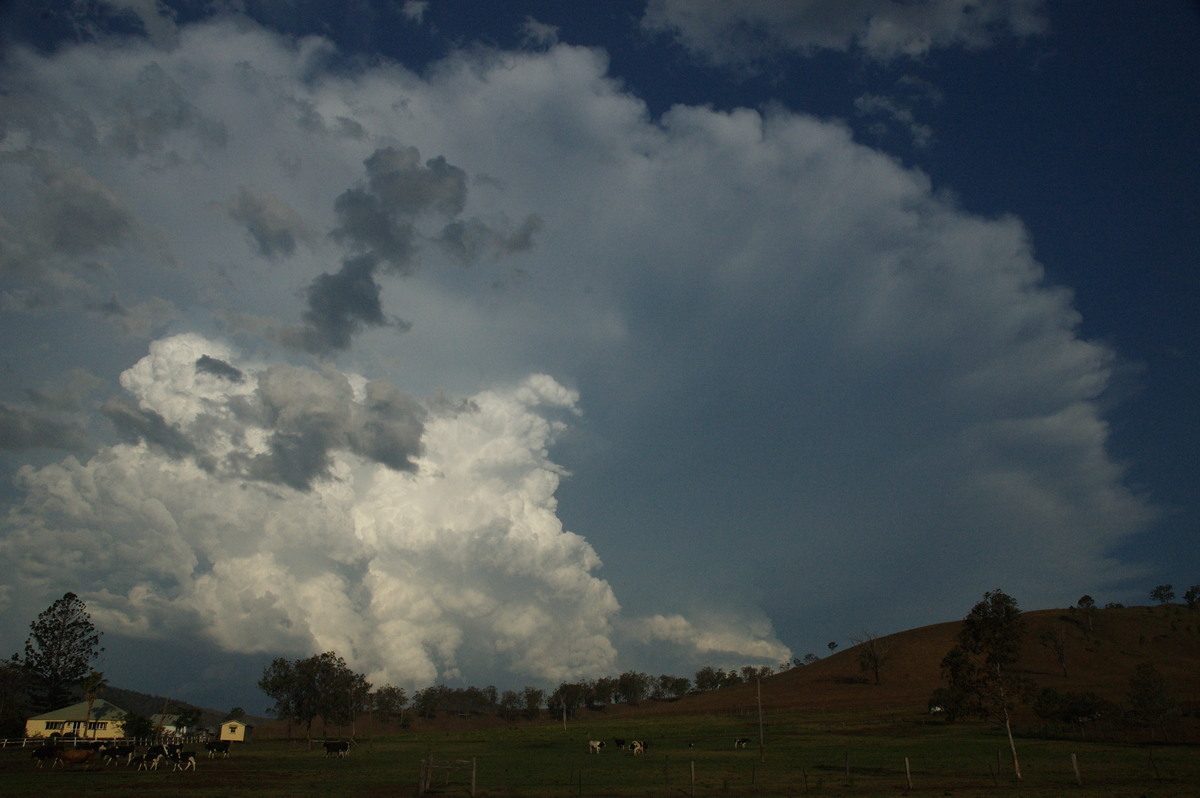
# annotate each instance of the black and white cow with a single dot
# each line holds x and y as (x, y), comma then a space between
(741, 742)
(594, 746)
(183, 760)
(146, 761)
(638, 747)
(215, 747)
(338, 748)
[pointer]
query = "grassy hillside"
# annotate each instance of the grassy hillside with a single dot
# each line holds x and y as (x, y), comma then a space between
(1102, 649)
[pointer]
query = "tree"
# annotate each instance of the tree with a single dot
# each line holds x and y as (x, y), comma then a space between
(872, 653)
(13, 698)
(1150, 699)
(319, 686)
(709, 678)
(59, 652)
(1087, 606)
(633, 686)
(185, 718)
(534, 698)
(135, 725)
(279, 683)
(980, 669)
(1076, 709)
(1163, 594)
(1192, 597)
(1056, 640)
(389, 698)
(237, 713)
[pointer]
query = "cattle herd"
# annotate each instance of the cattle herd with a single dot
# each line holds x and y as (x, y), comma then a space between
(97, 754)
(638, 747)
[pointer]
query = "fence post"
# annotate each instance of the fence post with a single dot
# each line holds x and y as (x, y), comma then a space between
(908, 772)
(1075, 767)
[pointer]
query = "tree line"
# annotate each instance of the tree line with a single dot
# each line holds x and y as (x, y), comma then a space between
(323, 686)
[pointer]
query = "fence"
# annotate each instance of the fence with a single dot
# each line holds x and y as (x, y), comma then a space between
(75, 742)
(425, 779)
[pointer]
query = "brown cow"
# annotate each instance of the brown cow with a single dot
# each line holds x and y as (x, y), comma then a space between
(76, 756)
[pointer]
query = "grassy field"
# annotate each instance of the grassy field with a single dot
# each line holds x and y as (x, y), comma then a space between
(802, 755)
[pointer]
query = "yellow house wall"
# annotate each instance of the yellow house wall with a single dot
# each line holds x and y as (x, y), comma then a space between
(100, 730)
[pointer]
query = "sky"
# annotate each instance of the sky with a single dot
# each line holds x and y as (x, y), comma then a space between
(514, 343)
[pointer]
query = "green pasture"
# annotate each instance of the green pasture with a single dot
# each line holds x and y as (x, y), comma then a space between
(801, 755)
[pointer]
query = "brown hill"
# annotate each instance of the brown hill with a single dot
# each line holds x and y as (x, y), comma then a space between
(1100, 651)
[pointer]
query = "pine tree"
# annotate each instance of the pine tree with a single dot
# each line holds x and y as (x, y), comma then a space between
(59, 652)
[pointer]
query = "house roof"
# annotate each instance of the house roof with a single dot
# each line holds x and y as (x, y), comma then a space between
(101, 710)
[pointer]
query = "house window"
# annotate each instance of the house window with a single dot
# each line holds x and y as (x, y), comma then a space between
(54, 725)
(98, 725)
(233, 729)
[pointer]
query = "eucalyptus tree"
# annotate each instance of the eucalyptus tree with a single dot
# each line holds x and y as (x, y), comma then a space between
(980, 668)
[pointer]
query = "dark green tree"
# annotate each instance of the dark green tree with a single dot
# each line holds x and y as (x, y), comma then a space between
(634, 686)
(535, 699)
(137, 726)
(389, 699)
(1087, 606)
(981, 667)
(185, 717)
(279, 683)
(1192, 597)
(1163, 594)
(709, 678)
(319, 686)
(59, 652)
(14, 700)
(1151, 701)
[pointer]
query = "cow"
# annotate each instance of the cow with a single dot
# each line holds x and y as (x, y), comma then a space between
(163, 750)
(215, 747)
(338, 748)
(182, 760)
(741, 742)
(43, 754)
(146, 761)
(594, 746)
(620, 742)
(637, 747)
(76, 756)
(114, 753)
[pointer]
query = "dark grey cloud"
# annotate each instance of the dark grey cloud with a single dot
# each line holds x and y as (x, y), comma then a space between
(273, 227)
(31, 428)
(134, 424)
(380, 217)
(388, 427)
(219, 368)
(313, 413)
(379, 222)
(341, 304)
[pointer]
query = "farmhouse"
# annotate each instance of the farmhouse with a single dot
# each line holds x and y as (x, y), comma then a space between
(235, 730)
(166, 725)
(106, 722)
